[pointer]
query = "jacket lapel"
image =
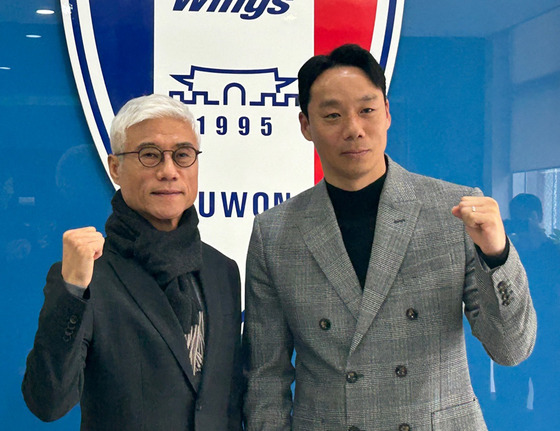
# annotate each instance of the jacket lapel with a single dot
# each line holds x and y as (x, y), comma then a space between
(396, 219)
(321, 234)
(214, 304)
(154, 304)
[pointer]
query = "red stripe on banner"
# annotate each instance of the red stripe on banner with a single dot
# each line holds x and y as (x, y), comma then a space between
(338, 22)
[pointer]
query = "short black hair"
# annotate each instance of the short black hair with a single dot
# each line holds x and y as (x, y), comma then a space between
(345, 55)
(522, 205)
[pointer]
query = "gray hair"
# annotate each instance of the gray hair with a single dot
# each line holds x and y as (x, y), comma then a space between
(148, 108)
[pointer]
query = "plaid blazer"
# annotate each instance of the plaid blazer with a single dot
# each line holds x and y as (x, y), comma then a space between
(388, 357)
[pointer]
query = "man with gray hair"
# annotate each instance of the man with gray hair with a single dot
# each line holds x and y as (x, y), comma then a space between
(142, 328)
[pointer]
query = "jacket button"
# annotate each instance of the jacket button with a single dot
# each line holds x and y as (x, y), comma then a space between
(73, 319)
(503, 286)
(412, 314)
(404, 427)
(351, 377)
(325, 324)
(401, 371)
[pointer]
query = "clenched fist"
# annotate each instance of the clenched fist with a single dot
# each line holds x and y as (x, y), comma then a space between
(80, 248)
(481, 216)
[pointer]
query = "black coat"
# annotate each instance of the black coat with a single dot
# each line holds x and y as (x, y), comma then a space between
(122, 354)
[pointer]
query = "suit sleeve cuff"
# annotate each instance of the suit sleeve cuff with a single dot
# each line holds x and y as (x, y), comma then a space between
(77, 291)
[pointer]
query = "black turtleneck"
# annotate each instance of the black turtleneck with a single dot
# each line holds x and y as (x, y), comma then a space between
(356, 212)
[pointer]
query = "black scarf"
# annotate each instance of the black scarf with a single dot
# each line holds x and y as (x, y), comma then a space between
(165, 255)
(173, 258)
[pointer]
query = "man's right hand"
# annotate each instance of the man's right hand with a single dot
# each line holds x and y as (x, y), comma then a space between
(80, 248)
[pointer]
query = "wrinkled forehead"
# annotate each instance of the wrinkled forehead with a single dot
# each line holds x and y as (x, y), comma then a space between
(166, 133)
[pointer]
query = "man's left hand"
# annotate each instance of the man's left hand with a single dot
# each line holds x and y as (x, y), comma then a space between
(481, 216)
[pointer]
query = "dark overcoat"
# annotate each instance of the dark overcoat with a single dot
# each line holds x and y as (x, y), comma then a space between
(121, 352)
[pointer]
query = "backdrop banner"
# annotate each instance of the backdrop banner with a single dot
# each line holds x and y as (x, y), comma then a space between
(235, 63)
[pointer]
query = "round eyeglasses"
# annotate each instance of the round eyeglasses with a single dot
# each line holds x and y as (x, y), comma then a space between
(153, 156)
